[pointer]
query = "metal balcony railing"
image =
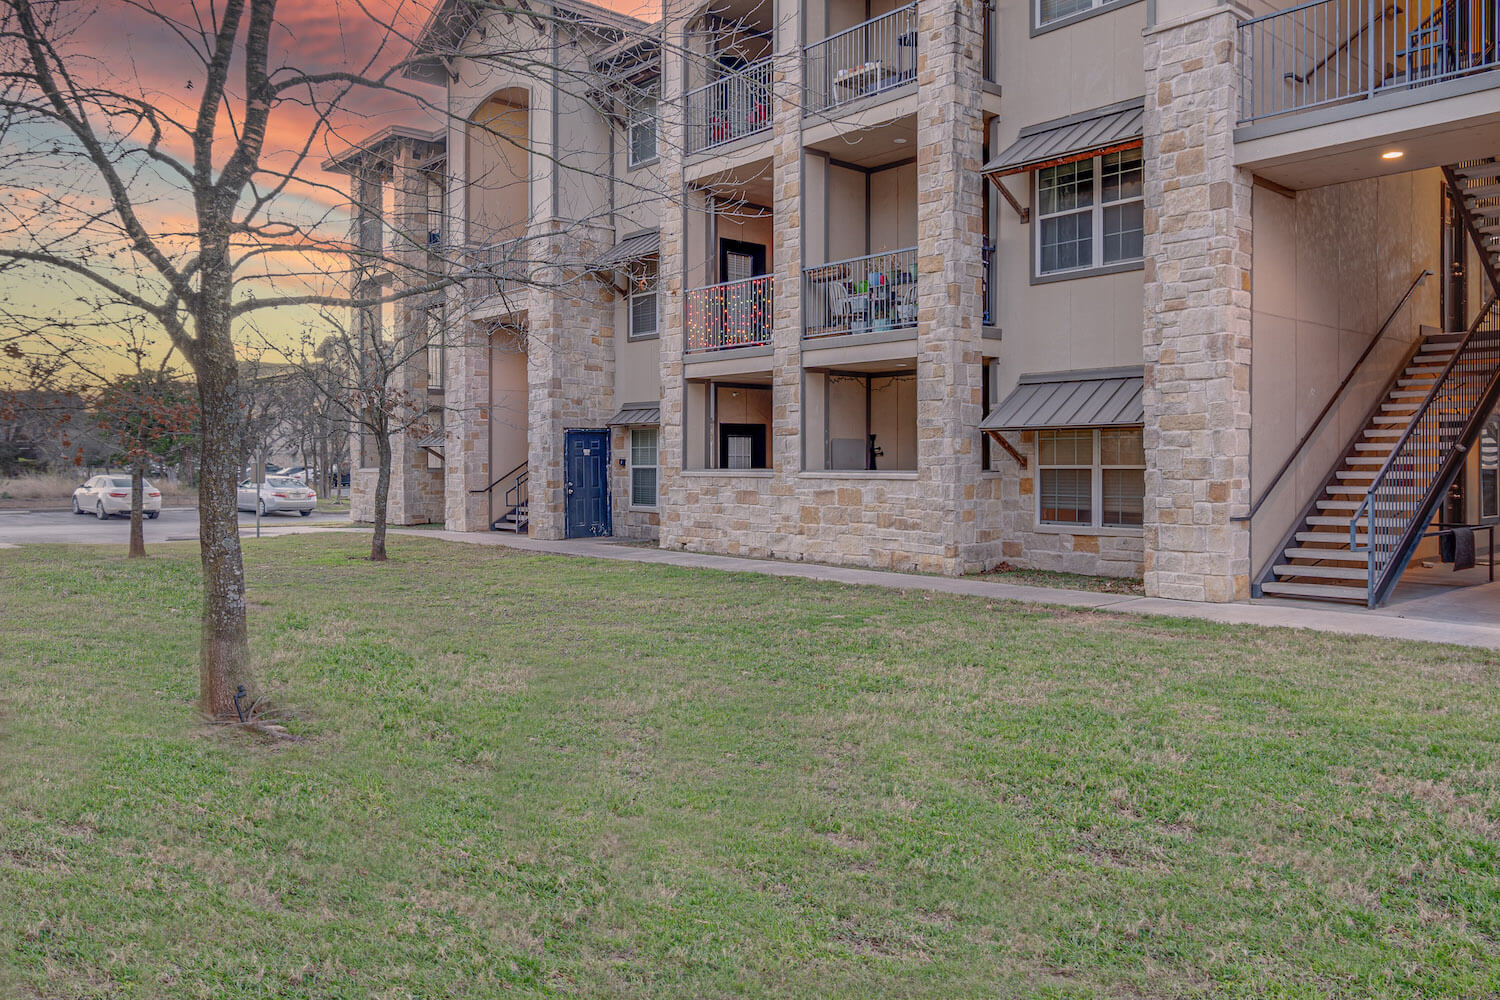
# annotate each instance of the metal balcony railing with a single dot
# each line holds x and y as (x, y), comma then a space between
(493, 265)
(730, 108)
(861, 295)
(730, 314)
(1335, 51)
(869, 58)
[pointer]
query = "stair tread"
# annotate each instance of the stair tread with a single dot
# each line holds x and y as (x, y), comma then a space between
(1322, 572)
(1341, 537)
(1340, 555)
(1324, 590)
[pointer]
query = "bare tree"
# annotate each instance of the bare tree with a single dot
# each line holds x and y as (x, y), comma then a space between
(178, 204)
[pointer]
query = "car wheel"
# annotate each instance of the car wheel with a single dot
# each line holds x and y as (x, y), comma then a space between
(154, 515)
(99, 512)
(305, 513)
(260, 506)
(76, 509)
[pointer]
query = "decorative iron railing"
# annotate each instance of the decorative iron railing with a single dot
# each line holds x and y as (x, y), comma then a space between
(869, 58)
(732, 107)
(1333, 51)
(493, 265)
(860, 295)
(730, 314)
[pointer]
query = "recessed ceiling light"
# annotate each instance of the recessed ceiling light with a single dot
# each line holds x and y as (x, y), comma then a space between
(899, 141)
(1392, 154)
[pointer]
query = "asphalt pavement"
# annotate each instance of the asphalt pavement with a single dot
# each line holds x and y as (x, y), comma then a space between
(175, 524)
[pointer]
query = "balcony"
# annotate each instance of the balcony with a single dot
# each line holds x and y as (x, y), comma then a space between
(1333, 52)
(871, 294)
(870, 58)
(733, 107)
(730, 314)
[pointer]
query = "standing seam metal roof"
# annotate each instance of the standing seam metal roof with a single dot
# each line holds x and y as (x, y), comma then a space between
(1095, 398)
(1072, 137)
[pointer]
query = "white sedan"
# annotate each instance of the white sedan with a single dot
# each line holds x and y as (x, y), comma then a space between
(106, 496)
(276, 495)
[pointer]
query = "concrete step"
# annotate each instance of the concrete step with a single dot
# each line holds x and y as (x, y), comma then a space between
(1358, 489)
(1321, 591)
(1337, 555)
(1349, 505)
(1327, 521)
(1481, 172)
(1323, 572)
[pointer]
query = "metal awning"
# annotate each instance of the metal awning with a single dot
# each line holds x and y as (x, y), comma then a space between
(1100, 397)
(636, 415)
(1076, 137)
(433, 443)
(629, 249)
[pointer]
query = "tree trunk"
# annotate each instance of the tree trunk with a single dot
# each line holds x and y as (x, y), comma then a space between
(224, 653)
(382, 492)
(137, 513)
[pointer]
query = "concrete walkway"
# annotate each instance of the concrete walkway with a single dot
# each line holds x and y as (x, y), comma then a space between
(1389, 623)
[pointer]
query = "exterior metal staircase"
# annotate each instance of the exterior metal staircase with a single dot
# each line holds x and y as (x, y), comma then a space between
(1355, 537)
(516, 516)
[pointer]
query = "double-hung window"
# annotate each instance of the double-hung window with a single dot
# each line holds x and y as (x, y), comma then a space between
(643, 298)
(1091, 478)
(643, 441)
(1090, 214)
(640, 127)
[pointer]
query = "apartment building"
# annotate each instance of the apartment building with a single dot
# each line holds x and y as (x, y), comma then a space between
(1196, 292)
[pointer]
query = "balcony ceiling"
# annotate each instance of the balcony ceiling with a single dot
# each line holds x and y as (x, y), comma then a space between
(877, 146)
(748, 183)
(1345, 143)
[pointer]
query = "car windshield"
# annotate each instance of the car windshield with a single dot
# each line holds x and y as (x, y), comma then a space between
(284, 483)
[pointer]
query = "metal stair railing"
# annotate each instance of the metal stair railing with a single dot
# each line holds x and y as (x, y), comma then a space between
(517, 497)
(1414, 478)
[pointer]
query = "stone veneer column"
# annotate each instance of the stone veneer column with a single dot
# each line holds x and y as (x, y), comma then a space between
(670, 320)
(1197, 312)
(949, 297)
(466, 400)
(786, 257)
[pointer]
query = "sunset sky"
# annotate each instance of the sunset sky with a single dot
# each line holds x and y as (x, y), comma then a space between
(136, 53)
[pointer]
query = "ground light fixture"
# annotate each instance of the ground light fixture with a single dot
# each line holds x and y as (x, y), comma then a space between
(1392, 154)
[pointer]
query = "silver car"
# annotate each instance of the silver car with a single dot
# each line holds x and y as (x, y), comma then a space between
(278, 494)
(106, 496)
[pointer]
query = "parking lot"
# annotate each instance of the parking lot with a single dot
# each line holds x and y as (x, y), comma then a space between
(175, 523)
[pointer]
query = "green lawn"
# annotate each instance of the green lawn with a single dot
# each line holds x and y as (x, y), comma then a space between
(538, 776)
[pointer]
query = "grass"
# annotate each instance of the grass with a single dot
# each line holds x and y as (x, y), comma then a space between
(1006, 573)
(539, 776)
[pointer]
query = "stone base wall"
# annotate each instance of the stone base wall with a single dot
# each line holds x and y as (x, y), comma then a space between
(882, 522)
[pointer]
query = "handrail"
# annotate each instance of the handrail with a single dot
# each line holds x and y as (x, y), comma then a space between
(502, 479)
(1411, 429)
(1328, 406)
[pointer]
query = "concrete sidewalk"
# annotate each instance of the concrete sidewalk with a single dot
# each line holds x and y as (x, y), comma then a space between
(1385, 623)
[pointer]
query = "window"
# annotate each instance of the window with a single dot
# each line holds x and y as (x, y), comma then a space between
(434, 367)
(1091, 478)
(643, 466)
(640, 127)
(1048, 12)
(1090, 213)
(643, 296)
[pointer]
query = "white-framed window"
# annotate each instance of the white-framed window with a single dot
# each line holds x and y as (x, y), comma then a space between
(640, 127)
(643, 442)
(1090, 213)
(642, 276)
(1091, 478)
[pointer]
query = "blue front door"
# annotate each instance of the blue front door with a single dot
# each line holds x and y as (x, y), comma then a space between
(586, 468)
